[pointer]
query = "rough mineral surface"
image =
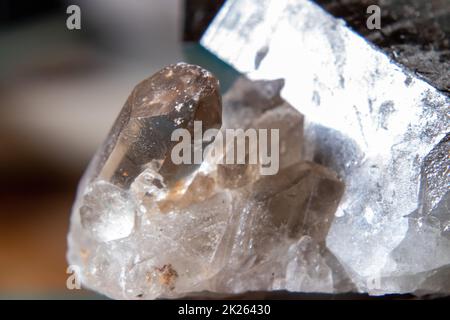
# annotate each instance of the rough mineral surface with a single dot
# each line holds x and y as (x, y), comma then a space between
(415, 32)
(140, 232)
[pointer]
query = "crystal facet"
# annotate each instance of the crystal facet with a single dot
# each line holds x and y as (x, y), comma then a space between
(172, 98)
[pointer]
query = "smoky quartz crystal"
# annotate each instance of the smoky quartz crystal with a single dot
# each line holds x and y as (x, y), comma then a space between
(145, 227)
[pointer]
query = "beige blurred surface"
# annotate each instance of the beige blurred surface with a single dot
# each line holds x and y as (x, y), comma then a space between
(32, 249)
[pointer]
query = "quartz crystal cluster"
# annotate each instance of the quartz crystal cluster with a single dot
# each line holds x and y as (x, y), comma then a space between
(369, 117)
(361, 201)
(143, 227)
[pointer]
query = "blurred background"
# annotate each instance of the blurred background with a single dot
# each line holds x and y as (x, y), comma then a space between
(60, 91)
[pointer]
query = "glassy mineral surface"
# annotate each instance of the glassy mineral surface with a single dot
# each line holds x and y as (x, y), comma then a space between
(144, 228)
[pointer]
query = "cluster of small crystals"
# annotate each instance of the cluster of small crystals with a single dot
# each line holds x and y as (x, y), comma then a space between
(222, 228)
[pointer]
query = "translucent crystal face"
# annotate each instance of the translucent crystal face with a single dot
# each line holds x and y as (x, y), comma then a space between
(140, 229)
(173, 98)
